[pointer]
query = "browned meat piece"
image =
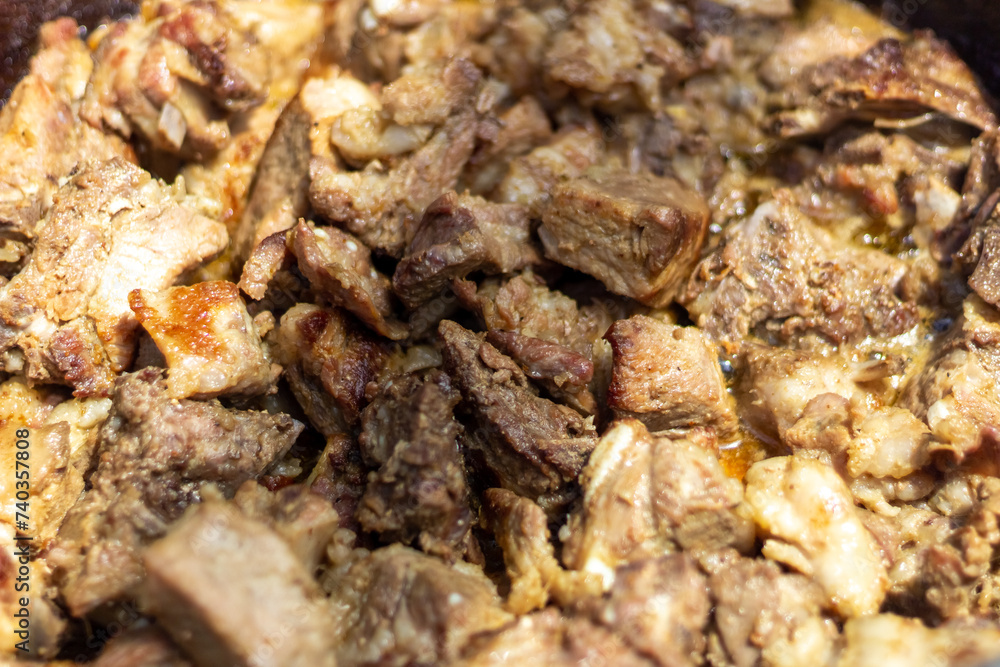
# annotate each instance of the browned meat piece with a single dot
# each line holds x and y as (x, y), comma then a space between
(892, 79)
(618, 54)
(432, 121)
(661, 608)
(546, 639)
(47, 622)
(521, 530)
(329, 361)
(418, 493)
(210, 344)
(763, 616)
(459, 235)
(668, 377)
(399, 607)
(266, 259)
(531, 178)
(155, 454)
(340, 477)
(339, 267)
(41, 139)
(533, 446)
(279, 195)
(638, 234)
(143, 647)
(563, 373)
(779, 271)
(303, 519)
(112, 230)
(641, 494)
(956, 392)
(168, 78)
(231, 592)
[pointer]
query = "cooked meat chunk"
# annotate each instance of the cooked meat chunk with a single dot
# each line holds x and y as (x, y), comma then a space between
(545, 639)
(147, 646)
(41, 139)
(667, 377)
(231, 592)
(887, 640)
(779, 271)
(892, 79)
(329, 361)
(302, 518)
(400, 607)
(265, 261)
(520, 527)
(763, 616)
(279, 195)
(805, 513)
(155, 454)
(971, 229)
(956, 392)
(563, 373)
(65, 317)
(459, 235)
(169, 78)
(638, 234)
(531, 178)
(46, 621)
(211, 345)
(340, 476)
(533, 446)
(418, 493)
(432, 120)
(339, 267)
(661, 607)
(638, 495)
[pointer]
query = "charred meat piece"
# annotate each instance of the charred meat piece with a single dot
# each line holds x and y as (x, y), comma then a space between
(459, 235)
(207, 584)
(430, 120)
(155, 454)
(41, 138)
(638, 234)
(339, 268)
(113, 229)
(668, 377)
(399, 607)
(779, 270)
(171, 78)
(211, 345)
(892, 79)
(418, 492)
(533, 446)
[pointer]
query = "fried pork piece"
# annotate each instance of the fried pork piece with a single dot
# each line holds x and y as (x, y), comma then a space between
(329, 360)
(459, 235)
(65, 317)
(638, 234)
(41, 138)
(667, 377)
(892, 79)
(418, 492)
(766, 617)
(340, 477)
(547, 639)
(170, 78)
(805, 513)
(534, 447)
(47, 622)
(956, 392)
(211, 345)
(888, 640)
(339, 268)
(155, 454)
(410, 146)
(520, 528)
(148, 646)
(645, 497)
(230, 591)
(396, 606)
(265, 261)
(779, 271)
